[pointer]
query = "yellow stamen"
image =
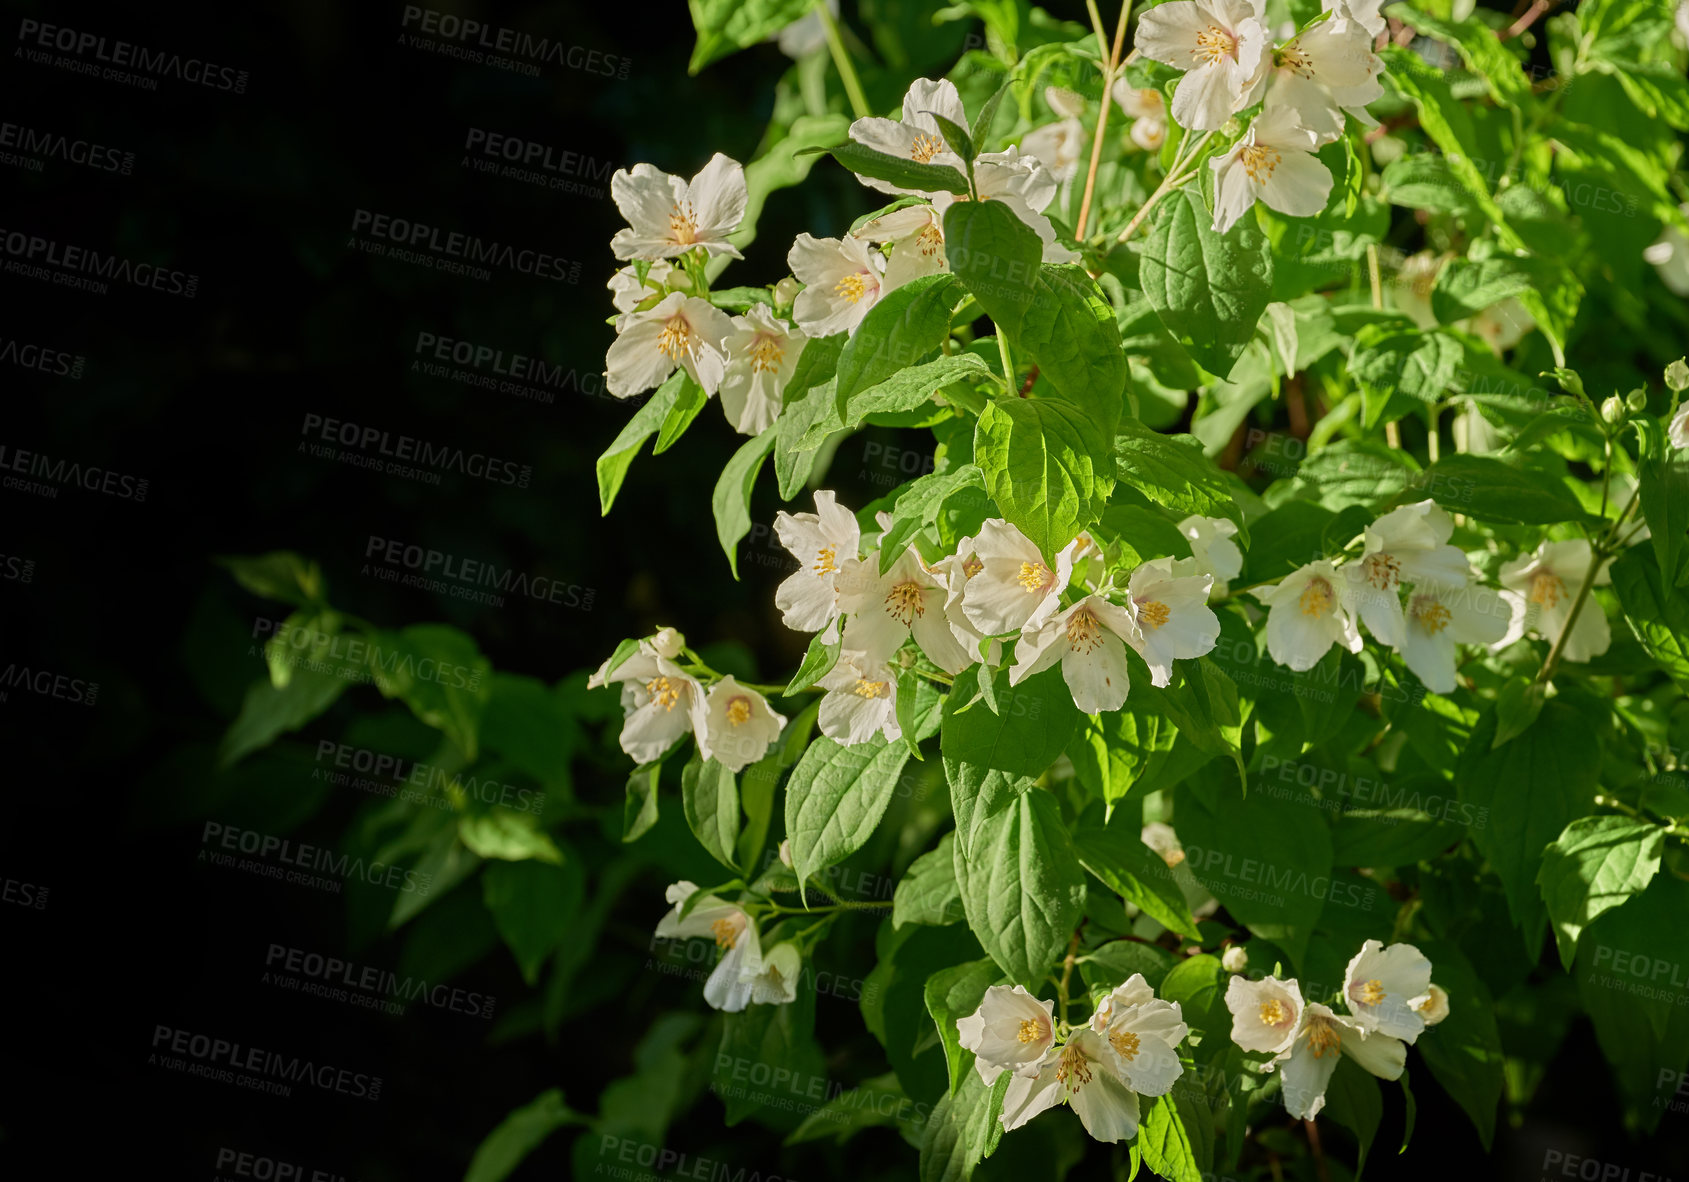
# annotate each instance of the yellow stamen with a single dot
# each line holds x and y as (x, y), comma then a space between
(1260, 162)
(904, 602)
(1372, 993)
(1546, 589)
(675, 339)
(1033, 576)
(871, 689)
(1323, 1039)
(1316, 598)
(852, 287)
(739, 710)
(925, 148)
(726, 932)
(1274, 1013)
(683, 223)
(1212, 44)
(1432, 616)
(824, 560)
(1073, 1066)
(1126, 1043)
(1292, 58)
(1152, 613)
(1382, 570)
(766, 354)
(1084, 633)
(972, 567)
(1029, 1031)
(930, 241)
(664, 692)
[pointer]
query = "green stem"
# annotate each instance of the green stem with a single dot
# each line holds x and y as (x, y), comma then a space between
(1008, 361)
(1174, 179)
(841, 59)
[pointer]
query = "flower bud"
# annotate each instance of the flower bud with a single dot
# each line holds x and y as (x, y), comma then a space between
(1235, 960)
(1434, 1006)
(1677, 376)
(1568, 379)
(1612, 409)
(786, 851)
(1637, 400)
(668, 643)
(786, 291)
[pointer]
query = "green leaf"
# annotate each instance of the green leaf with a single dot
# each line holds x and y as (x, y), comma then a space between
(1209, 289)
(1494, 490)
(1112, 751)
(1118, 856)
(1660, 623)
(1111, 964)
(959, 1129)
(1597, 864)
(955, 993)
(732, 498)
(687, 404)
(761, 1050)
(619, 456)
(1464, 1049)
(1028, 734)
(996, 256)
(1173, 473)
(818, 661)
(439, 673)
(639, 812)
(1533, 788)
(725, 26)
(920, 503)
(977, 793)
(268, 712)
(1198, 984)
(1449, 125)
(518, 1135)
(904, 390)
(710, 795)
(1177, 1137)
(1485, 55)
(836, 797)
(808, 399)
(507, 835)
(1047, 466)
(757, 785)
(1285, 539)
(533, 905)
(1353, 1100)
(927, 891)
(955, 135)
(906, 325)
(281, 575)
(1663, 496)
(1466, 288)
(1395, 370)
(1022, 888)
(877, 1102)
(905, 174)
(1070, 331)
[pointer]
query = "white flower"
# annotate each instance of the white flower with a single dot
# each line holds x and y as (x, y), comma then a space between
(1320, 73)
(806, 34)
(1380, 986)
(681, 330)
(1312, 1057)
(1678, 432)
(1503, 325)
(1212, 548)
(786, 852)
(1011, 1031)
(885, 610)
(1438, 618)
(1266, 1014)
(917, 138)
(844, 279)
(627, 293)
(1363, 12)
(739, 724)
(1540, 587)
(1148, 111)
(861, 701)
(667, 642)
(954, 570)
(825, 542)
(1022, 184)
(1235, 959)
(916, 236)
(1218, 43)
(1056, 146)
(734, 934)
(1172, 616)
(660, 701)
(1101, 1075)
(1012, 588)
(1145, 1033)
(1433, 1005)
(1409, 544)
(1089, 639)
(1274, 163)
(772, 977)
(1308, 612)
(669, 216)
(762, 352)
(1669, 253)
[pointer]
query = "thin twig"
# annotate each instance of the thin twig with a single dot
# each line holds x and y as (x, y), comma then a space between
(1102, 114)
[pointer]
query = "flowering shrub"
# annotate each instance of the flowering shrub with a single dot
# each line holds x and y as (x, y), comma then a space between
(1299, 389)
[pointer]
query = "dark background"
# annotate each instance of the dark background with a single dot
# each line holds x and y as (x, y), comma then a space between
(255, 193)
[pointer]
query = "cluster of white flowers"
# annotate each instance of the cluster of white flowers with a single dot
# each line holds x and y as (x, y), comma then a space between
(996, 587)
(1128, 1049)
(1305, 87)
(1390, 999)
(745, 973)
(734, 724)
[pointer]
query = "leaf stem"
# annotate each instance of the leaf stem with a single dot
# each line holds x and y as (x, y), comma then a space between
(841, 59)
(1008, 360)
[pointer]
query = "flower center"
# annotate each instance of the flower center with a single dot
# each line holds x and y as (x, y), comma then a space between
(852, 287)
(1212, 44)
(1084, 634)
(683, 223)
(1259, 162)
(1152, 613)
(1033, 575)
(1316, 598)
(1323, 1039)
(739, 710)
(1292, 58)
(726, 932)
(664, 692)
(824, 564)
(675, 339)
(1371, 993)
(1432, 616)
(1126, 1043)
(1029, 1031)
(925, 148)
(1546, 589)
(871, 689)
(972, 567)
(930, 241)
(1274, 1013)
(1382, 570)
(1074, 1069)
(766, 354)
(904, 603)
